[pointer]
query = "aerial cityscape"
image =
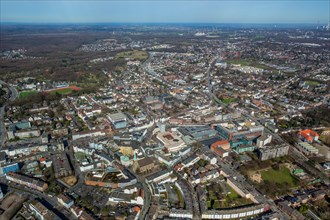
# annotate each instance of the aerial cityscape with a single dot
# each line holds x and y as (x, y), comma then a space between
(165, 110)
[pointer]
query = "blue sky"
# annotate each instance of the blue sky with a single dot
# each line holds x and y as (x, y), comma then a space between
(203, 11)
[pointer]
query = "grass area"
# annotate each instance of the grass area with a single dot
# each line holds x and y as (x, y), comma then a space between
(27, 93)
(219, 199)
(241, 62)
(133, 54)
(281, 176)
(233, 194)
(80, 155)
(229, 100)
(312, 83)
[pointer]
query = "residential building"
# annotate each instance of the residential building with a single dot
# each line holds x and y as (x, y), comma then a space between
(62, 167)
(308, 135)
(41, 212)
(7, 168)
(65, 201)
(27, 181)
(269, 152)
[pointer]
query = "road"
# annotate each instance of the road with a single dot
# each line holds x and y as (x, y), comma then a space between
(13, 95)
(49, 201)
(195, 204)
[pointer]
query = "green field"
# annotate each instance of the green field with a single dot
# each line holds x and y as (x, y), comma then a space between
(218, 200)
(134, 54)
(233, 194)
(27, 93)
(229, 100)
(281, 176)
(80, 156)
(312, 83)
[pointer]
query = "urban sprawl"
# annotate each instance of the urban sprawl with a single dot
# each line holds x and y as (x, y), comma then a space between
(201, 123)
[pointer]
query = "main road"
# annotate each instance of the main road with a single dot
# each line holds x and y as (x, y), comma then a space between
(13, 95)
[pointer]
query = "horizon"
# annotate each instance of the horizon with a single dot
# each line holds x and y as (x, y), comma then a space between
(190, 11)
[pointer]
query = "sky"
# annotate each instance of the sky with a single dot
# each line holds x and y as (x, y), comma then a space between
(165, 11)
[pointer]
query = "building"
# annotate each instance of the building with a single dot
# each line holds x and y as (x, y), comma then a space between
(118, 120)
(219, 148)
(294, 214)
(24, 149)
(7, 168)
(41, 212)
(171, 141)
(3, 157)
(224, 144)
(120, 197)
(238, 129)
(307, 148)
(270, 152)
(179, 213)
(88, 134)
(15, 127)
(190, 161)
(235, 213)
(144, 165)
(27, 181)
(264, 140)
(198, 133)
(125, 161)
(1, 193)
(242, 145)
(151, 100)
(65, 201)
(104, 178)
(220, 152)
(126, 150)
(62, 167)
(308, 135)
(160, 176)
